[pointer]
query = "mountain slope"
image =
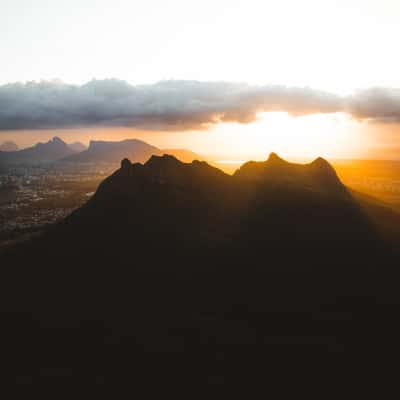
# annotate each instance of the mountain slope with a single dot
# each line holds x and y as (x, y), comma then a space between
(290, 204)
(181, 274)
(384, 218)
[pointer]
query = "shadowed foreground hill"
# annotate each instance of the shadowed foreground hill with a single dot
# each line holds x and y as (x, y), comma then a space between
(179, 275)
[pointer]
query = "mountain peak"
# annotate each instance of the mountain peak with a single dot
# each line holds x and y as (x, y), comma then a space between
(126, 163)
(319, 174)
(57, 140)
(321, 162)
(52, 150)
(273, 157)
(165, 159)
(325, 172)
(126, 167)
(163, 172)
(322, 165)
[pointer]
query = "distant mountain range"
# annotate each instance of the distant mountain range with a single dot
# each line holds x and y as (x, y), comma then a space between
(8, 146)
(97, 152)
(53, 150)
(134, 149)
(111, 152)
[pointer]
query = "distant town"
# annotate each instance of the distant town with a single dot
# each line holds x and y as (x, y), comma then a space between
(34, 197)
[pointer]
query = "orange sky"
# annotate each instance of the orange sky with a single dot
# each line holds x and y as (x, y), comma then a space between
(331, 136)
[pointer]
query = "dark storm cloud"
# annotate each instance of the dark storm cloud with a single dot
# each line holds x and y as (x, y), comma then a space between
(175, 105)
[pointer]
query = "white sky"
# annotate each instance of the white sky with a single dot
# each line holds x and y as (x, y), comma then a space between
(335, 45)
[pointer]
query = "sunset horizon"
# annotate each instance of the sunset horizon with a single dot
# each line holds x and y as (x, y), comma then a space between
(304, 79)
(298, 122)
(199, 196)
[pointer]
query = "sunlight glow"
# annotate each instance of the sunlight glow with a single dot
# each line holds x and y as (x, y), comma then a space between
(303, 138)
(332, 135)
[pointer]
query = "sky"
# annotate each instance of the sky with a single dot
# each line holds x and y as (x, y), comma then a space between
(320, 61)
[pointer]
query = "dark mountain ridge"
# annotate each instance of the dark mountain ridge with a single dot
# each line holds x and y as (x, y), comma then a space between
(319, 174)
(182, 154)
(181, 274)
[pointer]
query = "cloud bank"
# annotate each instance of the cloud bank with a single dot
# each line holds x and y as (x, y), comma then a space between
(176, 105)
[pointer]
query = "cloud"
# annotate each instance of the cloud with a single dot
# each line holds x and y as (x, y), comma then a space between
(378, 104)
(175, 105)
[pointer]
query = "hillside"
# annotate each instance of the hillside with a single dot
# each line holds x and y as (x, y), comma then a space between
(179, 272)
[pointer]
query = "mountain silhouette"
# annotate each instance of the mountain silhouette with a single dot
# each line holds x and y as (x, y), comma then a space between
(54, 149)
(134, 149)
(182, 154)
(112, 152)
(318, 175)
(180, 274)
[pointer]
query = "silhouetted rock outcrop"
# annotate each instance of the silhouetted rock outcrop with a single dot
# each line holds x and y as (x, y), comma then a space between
(183, 155)
(178, 273)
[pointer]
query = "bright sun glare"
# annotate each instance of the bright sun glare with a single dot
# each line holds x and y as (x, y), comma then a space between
(332, 135)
